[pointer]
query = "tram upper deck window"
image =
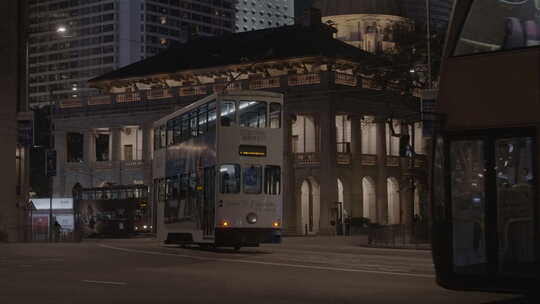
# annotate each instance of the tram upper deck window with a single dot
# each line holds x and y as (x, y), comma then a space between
(252, 114)
(228, 113)
(275, 115)
(229, 178)
(495, 25)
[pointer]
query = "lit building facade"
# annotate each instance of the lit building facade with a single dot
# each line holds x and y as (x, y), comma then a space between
(260, 14)
(338, 145)
(98, 36)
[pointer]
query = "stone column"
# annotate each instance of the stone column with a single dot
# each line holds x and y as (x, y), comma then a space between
(116, 154)
(89, 155)
(381, 187)
(406, 194)
(357, 199)
(290, 204)
(328, 177)
(147, 148)
(60, 145)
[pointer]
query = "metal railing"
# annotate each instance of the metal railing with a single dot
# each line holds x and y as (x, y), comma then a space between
(264, 83)
(392, 161)
(344, 159)
(346, 79)
(304, 79)
(368, 160)
(303, 159)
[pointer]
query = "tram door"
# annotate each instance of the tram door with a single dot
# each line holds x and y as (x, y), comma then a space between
(209, 200)
(492, 189)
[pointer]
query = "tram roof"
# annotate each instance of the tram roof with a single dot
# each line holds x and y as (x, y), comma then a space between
(281, 43)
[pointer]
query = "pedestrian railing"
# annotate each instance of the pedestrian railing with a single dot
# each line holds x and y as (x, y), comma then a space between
(399, 236)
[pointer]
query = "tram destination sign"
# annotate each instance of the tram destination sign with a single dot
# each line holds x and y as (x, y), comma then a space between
(252, 151)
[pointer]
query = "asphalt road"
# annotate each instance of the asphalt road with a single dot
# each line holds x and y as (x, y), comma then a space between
(143, 271)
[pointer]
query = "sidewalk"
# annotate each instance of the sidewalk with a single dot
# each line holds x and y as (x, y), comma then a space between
(357, 241)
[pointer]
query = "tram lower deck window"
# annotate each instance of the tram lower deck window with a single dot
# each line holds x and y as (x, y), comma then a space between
(272, 180)
(229, 178)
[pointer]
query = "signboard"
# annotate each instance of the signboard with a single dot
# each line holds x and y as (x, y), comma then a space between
(253, 151)
(25, 133)
(57, 203)
(50, 165)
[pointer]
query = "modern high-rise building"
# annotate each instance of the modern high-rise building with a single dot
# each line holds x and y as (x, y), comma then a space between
(260, 14)
(73, 41)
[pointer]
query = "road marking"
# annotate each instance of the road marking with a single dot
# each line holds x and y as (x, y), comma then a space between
(105, 282)
(269, 263)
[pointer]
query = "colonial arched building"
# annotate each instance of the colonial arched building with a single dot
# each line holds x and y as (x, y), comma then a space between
(338, 145)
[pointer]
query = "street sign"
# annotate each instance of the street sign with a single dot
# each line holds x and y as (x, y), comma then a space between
(50, 165)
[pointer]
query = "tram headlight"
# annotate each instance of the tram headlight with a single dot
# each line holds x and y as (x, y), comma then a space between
(251, 218)
(225, 224)
(276, 224)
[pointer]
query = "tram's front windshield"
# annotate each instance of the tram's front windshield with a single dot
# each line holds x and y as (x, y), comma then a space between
(494, 25)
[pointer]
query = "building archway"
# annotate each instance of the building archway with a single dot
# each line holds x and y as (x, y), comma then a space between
(310, 206)
(368, 198)
(393, 201)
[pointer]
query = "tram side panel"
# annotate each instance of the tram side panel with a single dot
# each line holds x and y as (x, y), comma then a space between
(184, 216)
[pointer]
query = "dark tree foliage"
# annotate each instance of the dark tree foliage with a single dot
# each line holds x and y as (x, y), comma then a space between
(405, 67)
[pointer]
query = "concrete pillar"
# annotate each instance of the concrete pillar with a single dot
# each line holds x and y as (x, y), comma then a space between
(381, 187)
(60, 145)
(356, 198)
(328, 184)
(406, 192)
(147, 149)
(89, 153)
(291, 207)
(116, 154)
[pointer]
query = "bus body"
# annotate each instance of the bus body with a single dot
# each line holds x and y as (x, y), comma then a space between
(220, 171)
(485, 184)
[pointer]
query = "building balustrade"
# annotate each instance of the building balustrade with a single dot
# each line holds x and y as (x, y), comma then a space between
(346, 79)
(264, 83)
(304, 79)
(295, 80)
(99, 100)
(103, 165)
(155, 94)
(133, 164)
(392, 161)
(344, 159)
(368, 160)
(307, 159)
(128, 97)
(420, 161)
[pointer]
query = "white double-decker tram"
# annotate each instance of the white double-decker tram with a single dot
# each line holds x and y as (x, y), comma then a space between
(221, 163)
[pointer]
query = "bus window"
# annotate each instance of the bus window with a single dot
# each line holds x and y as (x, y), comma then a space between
(272, 180)
(467, 166)
(212, 116)
(193, 123)
(170, 133)
(185, 127)
(439, 196)
(177, 130)
(203, 119)
(228, 113)
(156, 139)
(162, 137)
(253, 180)
(252, 114)
(275, 115)
(229, 177)
(515, 204)
(499, 25)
